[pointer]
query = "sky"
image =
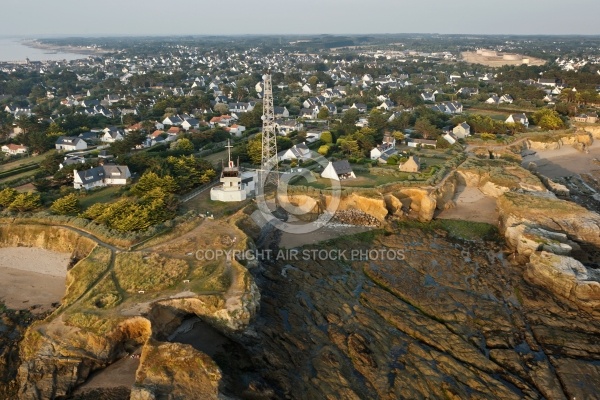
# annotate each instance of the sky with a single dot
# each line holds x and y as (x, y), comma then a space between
(232, 17)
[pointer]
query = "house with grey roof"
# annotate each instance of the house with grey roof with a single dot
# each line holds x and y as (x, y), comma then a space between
(338, 170)
(101, 176)
(297, 152)
(69, 143)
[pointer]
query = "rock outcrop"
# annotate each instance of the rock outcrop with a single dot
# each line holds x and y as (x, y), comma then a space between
(175, 371)
(496, 177)
(446, 320)
(566, 278)
(548, 213)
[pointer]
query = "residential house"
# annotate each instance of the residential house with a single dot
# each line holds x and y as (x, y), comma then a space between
(287, 127)
(450, 137)
(587, 118)
(421, 143)
(385, 150)
(547, 82)
(462, 130)
(112, 134)
(518, 118)
(338, 170)
(101, 176)
(222, 121)
(362, 108)
(429, 96)
(308, 113)
(71, 161)
(312, 137)
(281, 112)
(241, 107)
(298, 151)
(173, 131)
(331, 108)
(448, 107)
(70, 143)
(14, 149)
(173, 120)
(236, 130)
(386, 105)
(411, 165)
(190, 123)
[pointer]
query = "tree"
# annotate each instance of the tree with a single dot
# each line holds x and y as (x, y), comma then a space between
(51, 162)
(324, 150)
(323, 113)
(184, 145)
(426, 128)
(351, 148)
(399, 136)
(221, 108)
(255, 150)
(327, 137)
(26, 202)
(547, 119)
(67, 205)
(377, 120)
(7, 196)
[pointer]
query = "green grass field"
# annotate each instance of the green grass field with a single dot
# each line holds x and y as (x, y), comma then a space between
(24, 161)
(23, 175)
(105, 195)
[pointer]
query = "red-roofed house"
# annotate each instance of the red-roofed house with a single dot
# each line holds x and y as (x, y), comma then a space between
(14, 149)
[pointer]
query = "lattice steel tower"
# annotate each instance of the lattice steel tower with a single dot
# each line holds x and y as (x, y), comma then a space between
(269, 167)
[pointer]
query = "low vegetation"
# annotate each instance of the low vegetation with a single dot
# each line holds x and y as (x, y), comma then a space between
(135, 271)
(85, 274)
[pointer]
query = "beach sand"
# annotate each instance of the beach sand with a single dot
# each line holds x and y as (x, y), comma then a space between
(472, 205)
(565, 161)
(32, 277)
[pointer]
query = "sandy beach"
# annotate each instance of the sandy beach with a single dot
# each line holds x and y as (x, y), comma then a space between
(472, 205)
(32, 276)
(565, 161)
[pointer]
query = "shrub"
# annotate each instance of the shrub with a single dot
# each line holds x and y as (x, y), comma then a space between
(67, 205)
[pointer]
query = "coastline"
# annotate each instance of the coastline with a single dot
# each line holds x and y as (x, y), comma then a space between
(84, 51)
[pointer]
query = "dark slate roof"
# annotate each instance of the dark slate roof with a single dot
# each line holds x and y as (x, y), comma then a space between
(68, 140)
(91, 175)
(342, 167)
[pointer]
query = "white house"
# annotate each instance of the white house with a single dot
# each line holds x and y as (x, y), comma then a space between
(338, 170)
(281, 112)
(518, 118)
(450, 137)
(112, 136)
(101, 176)
(190, 123)
(236, 130)
(71, 161)
(69, 143)
(385, 150)
(297, 152)
(14, 149)
(312, 137)
(421, 143)
(173, 120)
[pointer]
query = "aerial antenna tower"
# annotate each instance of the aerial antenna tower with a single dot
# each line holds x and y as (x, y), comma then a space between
(269, 167)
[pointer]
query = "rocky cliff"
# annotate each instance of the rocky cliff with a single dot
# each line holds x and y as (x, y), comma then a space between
(118, 301)
(447, 319)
